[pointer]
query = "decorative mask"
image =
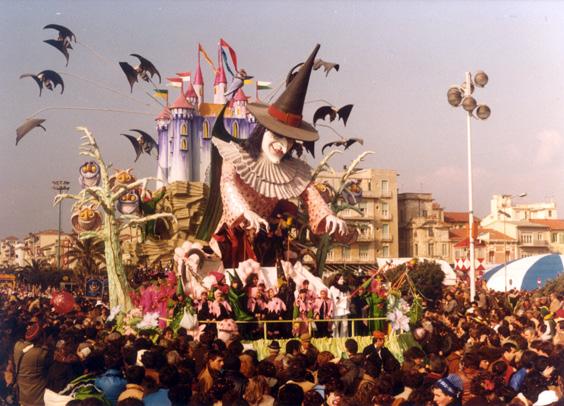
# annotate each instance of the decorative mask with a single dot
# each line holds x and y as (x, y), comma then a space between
(129, 203)
(89, 174)
(122, 177)
(86, 218)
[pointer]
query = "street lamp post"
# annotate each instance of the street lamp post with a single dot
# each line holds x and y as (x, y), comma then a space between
(462, 95)
(60, 186)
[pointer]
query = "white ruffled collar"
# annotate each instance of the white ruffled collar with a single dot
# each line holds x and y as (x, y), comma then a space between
(285, 180)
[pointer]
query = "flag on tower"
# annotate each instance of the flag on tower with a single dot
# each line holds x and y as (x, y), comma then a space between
(263, 85)
(161, 93)
(222, 44)
(185, 76)
(174, 82)
(202, 51)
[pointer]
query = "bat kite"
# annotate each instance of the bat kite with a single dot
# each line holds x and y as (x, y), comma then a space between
(48, 78)
(145, 70)
(63, 41)
(331, 111)
(143, 143)
(327, 66)
(318, 63)
(28, 125)
(342, 143)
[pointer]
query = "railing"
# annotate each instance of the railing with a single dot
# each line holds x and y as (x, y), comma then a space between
(308, 321)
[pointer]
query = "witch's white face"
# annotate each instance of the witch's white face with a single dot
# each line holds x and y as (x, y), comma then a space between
(275, 147)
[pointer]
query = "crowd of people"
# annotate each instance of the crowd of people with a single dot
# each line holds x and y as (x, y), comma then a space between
(503, 349)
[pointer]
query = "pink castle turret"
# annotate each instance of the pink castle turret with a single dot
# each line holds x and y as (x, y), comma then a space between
(191, 95)
(180, 126)
(163, 121)
(219, 83)
(198, 82)
(239, 104)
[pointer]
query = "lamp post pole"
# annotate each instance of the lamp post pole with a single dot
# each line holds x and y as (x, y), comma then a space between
(462, 95)
(60, 186)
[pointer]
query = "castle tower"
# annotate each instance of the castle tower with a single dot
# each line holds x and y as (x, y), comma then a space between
(219, 84)
(180, 127)
(240, 104)
(163, 121)
(192, 95)
(199, 83)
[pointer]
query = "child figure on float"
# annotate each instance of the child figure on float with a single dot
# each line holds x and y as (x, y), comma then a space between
(261, 172)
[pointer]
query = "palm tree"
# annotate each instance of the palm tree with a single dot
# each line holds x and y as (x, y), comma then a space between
(88, 254)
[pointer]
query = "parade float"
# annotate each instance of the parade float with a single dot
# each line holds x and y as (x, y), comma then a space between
(234, 200)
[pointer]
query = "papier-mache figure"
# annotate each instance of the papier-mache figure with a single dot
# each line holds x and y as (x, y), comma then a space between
(260, 172)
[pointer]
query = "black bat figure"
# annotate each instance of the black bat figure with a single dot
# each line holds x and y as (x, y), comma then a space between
(48, 78)
(343, 113)
(146, 141)
(327, 66)
(130, 73)
(64, 33)
(62, 46)
(342, 143)
(138, 148)
(146, 70)
(28, 125)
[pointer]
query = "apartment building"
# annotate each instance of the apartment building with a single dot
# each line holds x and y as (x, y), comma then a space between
(377, 223)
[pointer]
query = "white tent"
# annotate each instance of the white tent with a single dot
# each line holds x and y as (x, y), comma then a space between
(526, 273)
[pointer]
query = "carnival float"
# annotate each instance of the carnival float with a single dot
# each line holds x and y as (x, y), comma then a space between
(237, 219)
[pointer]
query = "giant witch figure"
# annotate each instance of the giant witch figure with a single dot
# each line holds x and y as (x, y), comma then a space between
(261, 175)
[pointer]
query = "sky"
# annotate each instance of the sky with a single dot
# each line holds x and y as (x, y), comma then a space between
(397, 61)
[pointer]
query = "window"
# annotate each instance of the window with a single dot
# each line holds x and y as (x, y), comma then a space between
(206, 130)
(362, 206)
(385, 187)
(491, 256)
(369, 186)
(385, 250)
(385, 210)
(561, 238)
(183, 144)
(184, 129)
(539, 237)
(424, 214)
(526, 238)
(430, 249)
(444, 249)
(363, 252)
(553, 237)
(416, 253)
(346, 253)
(385, 231)
(331, 254)
(430, 232)
(235, 129)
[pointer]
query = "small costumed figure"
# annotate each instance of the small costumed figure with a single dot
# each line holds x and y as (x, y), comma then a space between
(340, 294)
(303, 310)
(202, 306)
(220, 308)
(274, 310)
(323, 310)
(262, 171)
(375, 297)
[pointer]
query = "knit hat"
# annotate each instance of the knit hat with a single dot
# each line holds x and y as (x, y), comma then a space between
(451, 385)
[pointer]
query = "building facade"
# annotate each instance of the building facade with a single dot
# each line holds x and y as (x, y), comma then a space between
(377, 221)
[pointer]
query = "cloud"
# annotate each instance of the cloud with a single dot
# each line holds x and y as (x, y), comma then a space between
(548, 147)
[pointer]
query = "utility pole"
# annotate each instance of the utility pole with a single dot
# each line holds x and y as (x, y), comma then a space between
(60, 186)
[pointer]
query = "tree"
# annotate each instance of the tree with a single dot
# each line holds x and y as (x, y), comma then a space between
(106, 196)
(424, 278)
(88, 254)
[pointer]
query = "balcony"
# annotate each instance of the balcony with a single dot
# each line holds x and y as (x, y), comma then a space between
(386, 216)
(386, 194)
(387, 238)
(533, 243)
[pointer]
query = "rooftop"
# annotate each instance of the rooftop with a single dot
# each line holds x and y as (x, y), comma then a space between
(552, 224)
